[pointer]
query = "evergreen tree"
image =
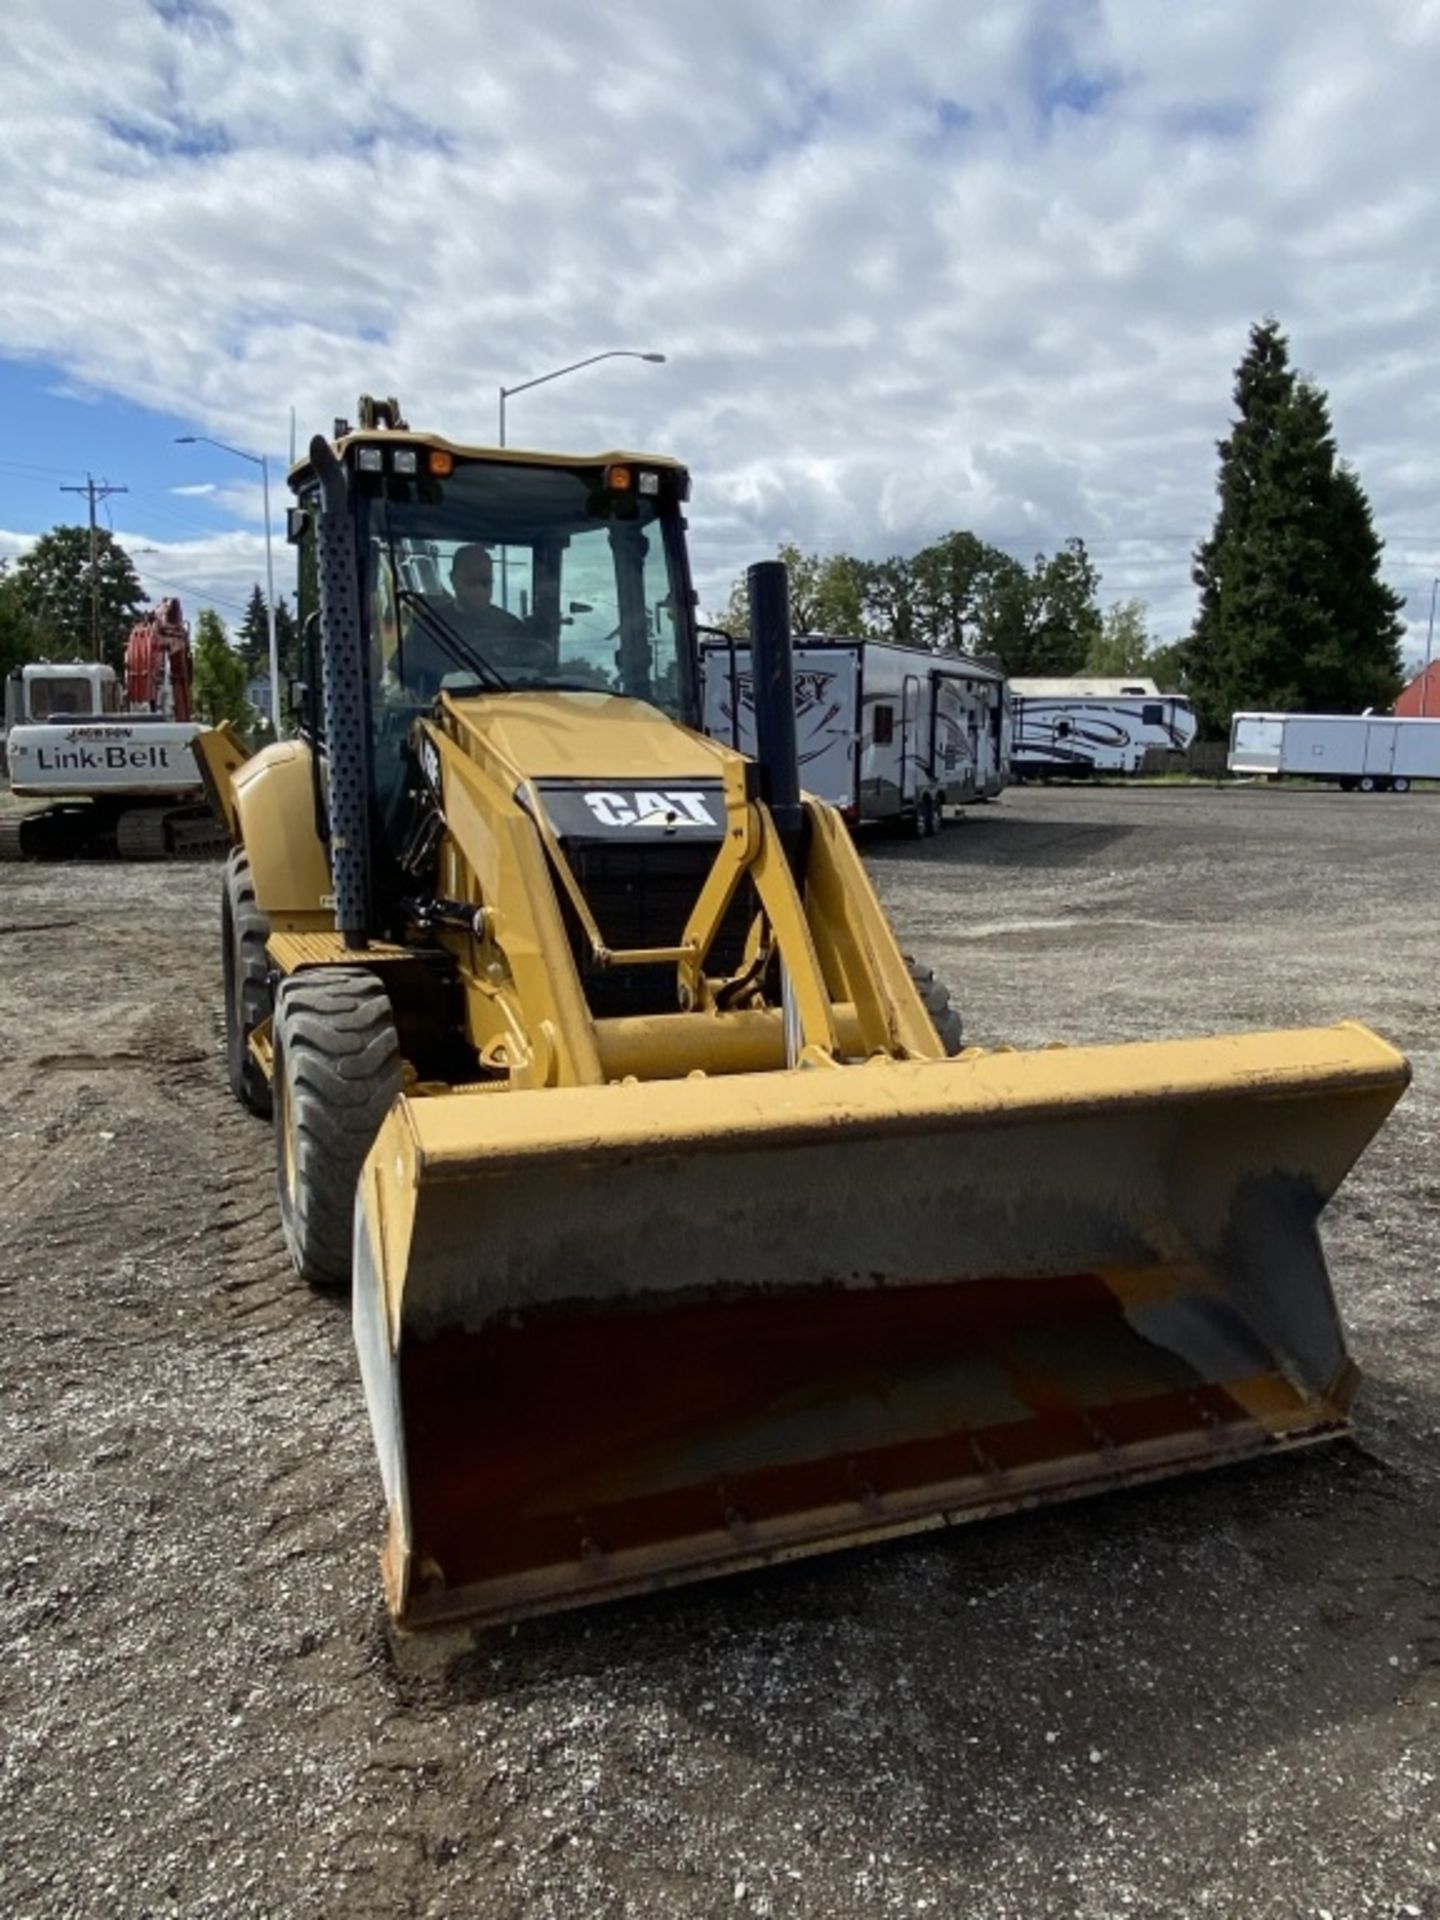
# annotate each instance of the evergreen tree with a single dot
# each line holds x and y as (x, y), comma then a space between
(220, 674)
(254, 638)
(1293, 616)
(1366, 668)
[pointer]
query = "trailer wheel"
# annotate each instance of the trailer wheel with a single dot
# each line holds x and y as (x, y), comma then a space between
(933, 991)
(1367, 783)
(1347, 785)
(922, 821)
(337, 1072)
(1400, 784)
(249, 997)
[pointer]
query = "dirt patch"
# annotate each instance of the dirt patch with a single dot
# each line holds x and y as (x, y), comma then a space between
(1221, 1696)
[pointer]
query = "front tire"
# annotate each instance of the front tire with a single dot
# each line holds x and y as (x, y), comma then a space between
(338, 1070)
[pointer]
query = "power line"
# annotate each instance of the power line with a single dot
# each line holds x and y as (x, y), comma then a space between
(94, 491)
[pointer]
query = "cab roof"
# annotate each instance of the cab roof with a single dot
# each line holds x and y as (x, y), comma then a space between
(510, 456)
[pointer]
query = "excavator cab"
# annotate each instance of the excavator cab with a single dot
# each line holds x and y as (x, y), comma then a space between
(680, 1238)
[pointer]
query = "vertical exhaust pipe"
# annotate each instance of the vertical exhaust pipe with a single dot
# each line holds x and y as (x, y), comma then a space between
(772, 672)
(773, 676)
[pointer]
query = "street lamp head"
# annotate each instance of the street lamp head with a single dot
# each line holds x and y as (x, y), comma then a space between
(657, 358)
(185, 440)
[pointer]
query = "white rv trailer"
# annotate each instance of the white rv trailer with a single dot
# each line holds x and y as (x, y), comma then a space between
(883, 732)
(1364, 752)
(1085, 726)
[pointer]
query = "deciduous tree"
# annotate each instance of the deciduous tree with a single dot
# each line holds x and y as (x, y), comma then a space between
(220, 674)
(61, 594)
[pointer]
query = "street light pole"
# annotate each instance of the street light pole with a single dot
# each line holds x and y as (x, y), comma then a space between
(613, 353)
(256, 460)
(1429, 637)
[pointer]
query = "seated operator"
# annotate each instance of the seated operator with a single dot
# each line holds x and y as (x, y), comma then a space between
(497, 636)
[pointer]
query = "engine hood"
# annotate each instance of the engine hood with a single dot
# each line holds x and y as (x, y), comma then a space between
(590, 737)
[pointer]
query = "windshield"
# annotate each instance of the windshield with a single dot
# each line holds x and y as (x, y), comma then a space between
(53, 699)
(503, 576)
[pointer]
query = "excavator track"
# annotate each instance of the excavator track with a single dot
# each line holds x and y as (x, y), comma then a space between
(140, 834)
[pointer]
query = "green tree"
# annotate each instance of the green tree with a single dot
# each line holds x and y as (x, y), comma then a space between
(220, 674)
(1167, 667)
(1293, 615)
(1364, 666)
(1043, 623)
(889, 607)
(1122, 644)
(287, 640)
(18, 642)
(59, 591)
(959, 594)
(826, 594)
(254, 637)
(959, 583)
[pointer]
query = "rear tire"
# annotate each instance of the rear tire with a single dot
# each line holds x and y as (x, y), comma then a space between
(922, 821)
(337, 1072)
(1400, 784)
(249, 997)
(944, 1017)
(1367, 783)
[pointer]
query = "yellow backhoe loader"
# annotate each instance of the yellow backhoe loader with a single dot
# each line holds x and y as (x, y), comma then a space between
(679, 1244)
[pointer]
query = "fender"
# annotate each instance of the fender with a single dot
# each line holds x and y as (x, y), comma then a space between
(273, 800)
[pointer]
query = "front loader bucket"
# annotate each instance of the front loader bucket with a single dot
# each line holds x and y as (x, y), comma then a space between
(622, 1336)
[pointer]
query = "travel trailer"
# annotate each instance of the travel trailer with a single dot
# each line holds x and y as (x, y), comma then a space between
(1086, 726)
(884, 732)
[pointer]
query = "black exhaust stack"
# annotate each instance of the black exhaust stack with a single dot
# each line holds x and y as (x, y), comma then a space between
(773, 677)
(347, 699)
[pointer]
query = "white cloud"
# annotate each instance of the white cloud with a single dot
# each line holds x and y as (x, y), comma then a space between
(196, 492)
(914, 267)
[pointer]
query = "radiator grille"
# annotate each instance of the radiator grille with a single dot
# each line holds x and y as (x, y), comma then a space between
(642, 896)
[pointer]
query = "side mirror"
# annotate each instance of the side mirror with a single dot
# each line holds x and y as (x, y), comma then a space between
(296, 521)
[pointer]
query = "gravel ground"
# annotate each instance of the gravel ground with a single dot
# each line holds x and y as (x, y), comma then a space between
(1218, 1697)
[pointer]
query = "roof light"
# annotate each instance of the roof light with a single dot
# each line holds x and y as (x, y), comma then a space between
(404, 460)
(650, 483)
(441, 462)
(618, 479)
(370, 460)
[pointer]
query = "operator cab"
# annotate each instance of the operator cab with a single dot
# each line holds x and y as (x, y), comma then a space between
(69, 690)
(485, 571)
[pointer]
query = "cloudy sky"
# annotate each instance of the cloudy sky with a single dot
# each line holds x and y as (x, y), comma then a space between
(914, 266)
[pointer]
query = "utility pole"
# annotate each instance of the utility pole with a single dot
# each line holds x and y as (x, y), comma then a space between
(95, 490)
